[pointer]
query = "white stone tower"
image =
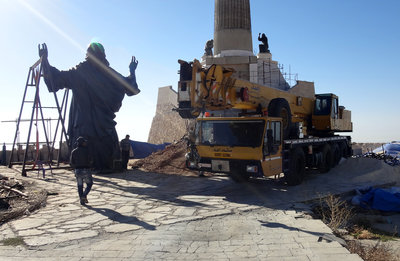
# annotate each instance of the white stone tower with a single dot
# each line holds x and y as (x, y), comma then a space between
(232, 28)
(233, 46)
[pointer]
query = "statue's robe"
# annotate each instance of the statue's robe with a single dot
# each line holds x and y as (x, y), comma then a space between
(98, 92)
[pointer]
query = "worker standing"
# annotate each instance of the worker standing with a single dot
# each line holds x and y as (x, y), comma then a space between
(81, 162)
(125, 145)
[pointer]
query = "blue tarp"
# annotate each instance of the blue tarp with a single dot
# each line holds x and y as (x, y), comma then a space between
(381, 199)
(143, 149)
(392, 149)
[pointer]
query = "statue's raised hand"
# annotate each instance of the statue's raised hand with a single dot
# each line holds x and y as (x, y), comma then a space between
(133, 65)
(43, 51)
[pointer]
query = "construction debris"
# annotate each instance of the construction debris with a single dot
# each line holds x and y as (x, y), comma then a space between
(388, 159)
(11, 188)
(7, 188)
(17, 198)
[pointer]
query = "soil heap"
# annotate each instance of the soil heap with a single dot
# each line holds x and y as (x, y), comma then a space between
(171, 160)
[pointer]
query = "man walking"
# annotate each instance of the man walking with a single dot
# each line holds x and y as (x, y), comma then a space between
(81, 162)
(125, 149)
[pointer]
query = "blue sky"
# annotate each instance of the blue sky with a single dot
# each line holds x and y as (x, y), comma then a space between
(350, 48)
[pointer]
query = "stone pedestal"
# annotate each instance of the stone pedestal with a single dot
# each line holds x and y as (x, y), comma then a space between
(269, 73)
(241, 64)
(264, 56)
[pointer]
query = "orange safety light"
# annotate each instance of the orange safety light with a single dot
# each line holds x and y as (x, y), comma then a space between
(207, 114)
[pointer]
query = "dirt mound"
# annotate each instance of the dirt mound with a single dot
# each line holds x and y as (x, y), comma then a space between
(364, 170)
(171, 160)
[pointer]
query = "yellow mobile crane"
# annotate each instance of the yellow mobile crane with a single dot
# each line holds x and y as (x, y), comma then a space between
(247, 129)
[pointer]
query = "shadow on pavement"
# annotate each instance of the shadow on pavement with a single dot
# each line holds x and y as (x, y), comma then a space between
(321, 236)
(180, 190)
(118, 217)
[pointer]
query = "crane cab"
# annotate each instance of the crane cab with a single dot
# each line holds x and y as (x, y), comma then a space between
(328, 116)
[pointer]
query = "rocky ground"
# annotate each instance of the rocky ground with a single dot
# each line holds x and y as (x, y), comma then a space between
(171, 161)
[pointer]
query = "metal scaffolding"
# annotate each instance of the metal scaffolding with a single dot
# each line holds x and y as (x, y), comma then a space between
(37, 117)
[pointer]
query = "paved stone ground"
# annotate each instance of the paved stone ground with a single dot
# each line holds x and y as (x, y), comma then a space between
(137, 215)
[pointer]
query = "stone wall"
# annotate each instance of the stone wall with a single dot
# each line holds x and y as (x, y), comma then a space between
(19, 152)
(167, 125)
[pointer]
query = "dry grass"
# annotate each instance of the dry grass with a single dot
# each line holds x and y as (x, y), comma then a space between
(378, 252)
(15, 241)
(334, 212)
(361, 228)
(362, 233)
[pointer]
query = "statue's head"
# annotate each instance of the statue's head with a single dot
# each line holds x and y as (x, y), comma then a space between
(95, 51)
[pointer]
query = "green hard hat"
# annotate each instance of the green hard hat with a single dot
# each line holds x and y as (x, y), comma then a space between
(96, 49)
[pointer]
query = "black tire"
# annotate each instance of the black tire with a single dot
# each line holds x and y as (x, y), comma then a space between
(280, 108)
(337, 154)
(297, 164)
(344, 149)
(327, 159)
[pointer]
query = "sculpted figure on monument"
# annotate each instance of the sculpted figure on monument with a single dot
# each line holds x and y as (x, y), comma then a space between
(98, 91)
(264, 48)
(208, 48)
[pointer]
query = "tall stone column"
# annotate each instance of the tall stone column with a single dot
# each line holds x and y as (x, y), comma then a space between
(232, 28)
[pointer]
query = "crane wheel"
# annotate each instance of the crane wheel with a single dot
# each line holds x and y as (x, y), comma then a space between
(327, 159)
(337, 154)
(280, 108)
(297, 164)
(343, 149)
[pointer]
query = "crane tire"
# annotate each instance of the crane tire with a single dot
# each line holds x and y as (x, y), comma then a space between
(280, 108)
(343, 149)
(297, 164)
(327, 159)
(337, 153)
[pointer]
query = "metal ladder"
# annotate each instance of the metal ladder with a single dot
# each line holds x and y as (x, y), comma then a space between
(33, 81)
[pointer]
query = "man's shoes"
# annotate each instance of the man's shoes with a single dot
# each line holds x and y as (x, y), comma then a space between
(83, 201)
